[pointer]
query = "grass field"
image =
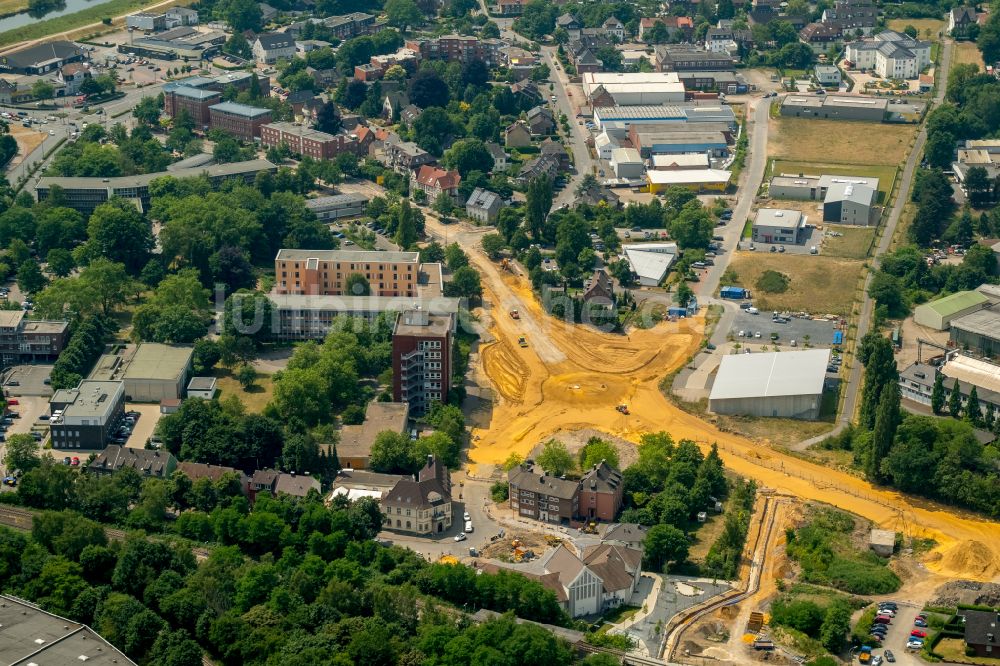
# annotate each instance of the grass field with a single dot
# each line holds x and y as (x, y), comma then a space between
(922, 25)
(853, 244)
(817, 284)
(884, 173)
(839, 141)
(905, 220)
(255, 399)
(966, 52)
(8, 7)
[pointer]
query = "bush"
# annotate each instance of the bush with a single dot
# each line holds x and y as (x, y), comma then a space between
(500, 492)
(773, 282)
(861, 577)
(804, 616)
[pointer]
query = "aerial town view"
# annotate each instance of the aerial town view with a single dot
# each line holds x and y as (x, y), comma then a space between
(499, 332)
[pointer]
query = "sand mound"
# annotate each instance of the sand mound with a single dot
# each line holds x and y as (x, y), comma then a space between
(972, 558)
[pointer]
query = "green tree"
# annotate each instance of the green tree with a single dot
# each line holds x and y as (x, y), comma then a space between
(937, 394)
(392, 454)
(664, 544)
(242, 15)
(598, 450)
(403, 14)
(43, 90)
(887, 419)
(29, 277)
(246, 376)
(116, 231)
(955, 401)
(539, 203)
(467, 155)
(357, 284)
(60, 261)
(21, 453)
(555, 458)
(880, 371)
(406, 228)
(493, 245)
(973, 412)
(465, 283)
(444, 204)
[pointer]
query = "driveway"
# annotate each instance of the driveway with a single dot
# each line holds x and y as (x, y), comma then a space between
(30, 380)
(149, 416)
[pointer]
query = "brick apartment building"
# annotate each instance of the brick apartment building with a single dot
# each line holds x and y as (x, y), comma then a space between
(306, 140)
(458, 48)
(196, 101)
(540, 496)
(421, 358)
(23, 340)
(325, 272)
(239, 120)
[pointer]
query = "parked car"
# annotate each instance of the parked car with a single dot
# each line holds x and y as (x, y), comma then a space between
(75, 462)
(460, 536)
(918, 633)
(890, 657)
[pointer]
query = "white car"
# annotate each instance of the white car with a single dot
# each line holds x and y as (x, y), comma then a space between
(52, 132)
(914, 645)
(460, 536)
(466, 516)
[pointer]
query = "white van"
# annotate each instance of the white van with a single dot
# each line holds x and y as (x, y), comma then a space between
(468, 527)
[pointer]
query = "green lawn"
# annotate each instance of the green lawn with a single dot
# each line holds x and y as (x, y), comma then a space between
(853, 244)
(78, 19)
(885, 174)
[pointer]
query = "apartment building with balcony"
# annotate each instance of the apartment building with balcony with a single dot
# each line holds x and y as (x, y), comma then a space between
(421, 358)
(325, 272)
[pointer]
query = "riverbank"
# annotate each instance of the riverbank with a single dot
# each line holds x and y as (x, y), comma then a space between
(82, 25)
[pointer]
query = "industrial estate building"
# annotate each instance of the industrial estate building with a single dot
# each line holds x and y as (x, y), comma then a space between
(697, 180)
(777, 225)
(978, 331)
(30, 635)
(621, 117)
(633, 89)
(337, 206)
(151, 371)
(776, 384)
(88, 416)
(87, 193)
(42, 57)
(846, 199)
(835, 107)
(650, 261)
(938, 314)
(916, 382)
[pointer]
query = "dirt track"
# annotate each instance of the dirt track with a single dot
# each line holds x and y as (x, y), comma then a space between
(571, 377)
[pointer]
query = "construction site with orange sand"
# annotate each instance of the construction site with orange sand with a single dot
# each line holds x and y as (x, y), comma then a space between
(571, 377)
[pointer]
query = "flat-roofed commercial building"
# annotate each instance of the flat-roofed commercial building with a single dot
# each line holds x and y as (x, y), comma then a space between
(775, 384)
(85, 194)
(676, 162)
(325, 272)
(337, 206)
(979, 332)
(850, 203)
(86, 417)
(835, 107)
(621, 117)
(777, 225)
(239, 120)
(355, 446)
(25, 340)
(938, 314)
(629, 89)
(659, 142)
(151, 371)
(696, 180)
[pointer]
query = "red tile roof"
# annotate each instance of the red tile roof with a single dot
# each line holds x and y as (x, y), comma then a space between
(432, 176)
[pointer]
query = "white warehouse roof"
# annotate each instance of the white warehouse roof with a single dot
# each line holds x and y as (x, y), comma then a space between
(688, 176)
(650, 261)
(771, 374)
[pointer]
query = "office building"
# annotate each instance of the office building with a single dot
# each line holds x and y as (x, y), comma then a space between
(25, 340)
(88, 416)
(305, 141)
(325, 272)
(777, 225)
(337, 206)
(195, 101)
(421, 358)
(240, 120)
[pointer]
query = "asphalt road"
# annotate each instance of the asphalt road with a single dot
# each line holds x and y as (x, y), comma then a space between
(906, 181)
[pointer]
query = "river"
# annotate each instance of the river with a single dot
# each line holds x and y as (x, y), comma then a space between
(24, 18)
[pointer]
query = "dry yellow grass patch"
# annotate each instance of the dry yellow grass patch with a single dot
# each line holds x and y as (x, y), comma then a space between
(839, 141)
(817, 284)
(935, 26)
(965, 53)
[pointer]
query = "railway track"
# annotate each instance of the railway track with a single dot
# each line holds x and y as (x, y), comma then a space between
(23, 519)
(685, 620)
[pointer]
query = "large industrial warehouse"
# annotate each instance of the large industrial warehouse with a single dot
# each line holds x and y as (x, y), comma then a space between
(783, 384)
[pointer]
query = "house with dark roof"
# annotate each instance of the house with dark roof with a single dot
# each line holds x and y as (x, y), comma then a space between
(213, 473)
(632, 535)
(41, 58)
(960, 20)
(518, 135)
(535, 494)
(614, 28)
(420, 504)
(541, 122)
(601, 486)
(554, 149)
(982, 632)
(499, 156)
(483, 206)
(540, 167)
(147, 462)
(393, 104)
(599, 293)
(274, 482)
(269, 47)
(528, 90)
(597, 194)
(821, 33)
(410, 113)
(571, 24)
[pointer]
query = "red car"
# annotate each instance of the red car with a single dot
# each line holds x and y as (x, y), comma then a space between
(919, 633)
(12, 401)
(75, 462)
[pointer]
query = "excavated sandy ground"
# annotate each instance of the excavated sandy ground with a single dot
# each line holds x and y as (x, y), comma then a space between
(571, 377)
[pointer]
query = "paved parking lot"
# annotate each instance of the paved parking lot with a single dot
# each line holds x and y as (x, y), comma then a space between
(896, 637)
(820, 332)
(149, 416)
(25, 380)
